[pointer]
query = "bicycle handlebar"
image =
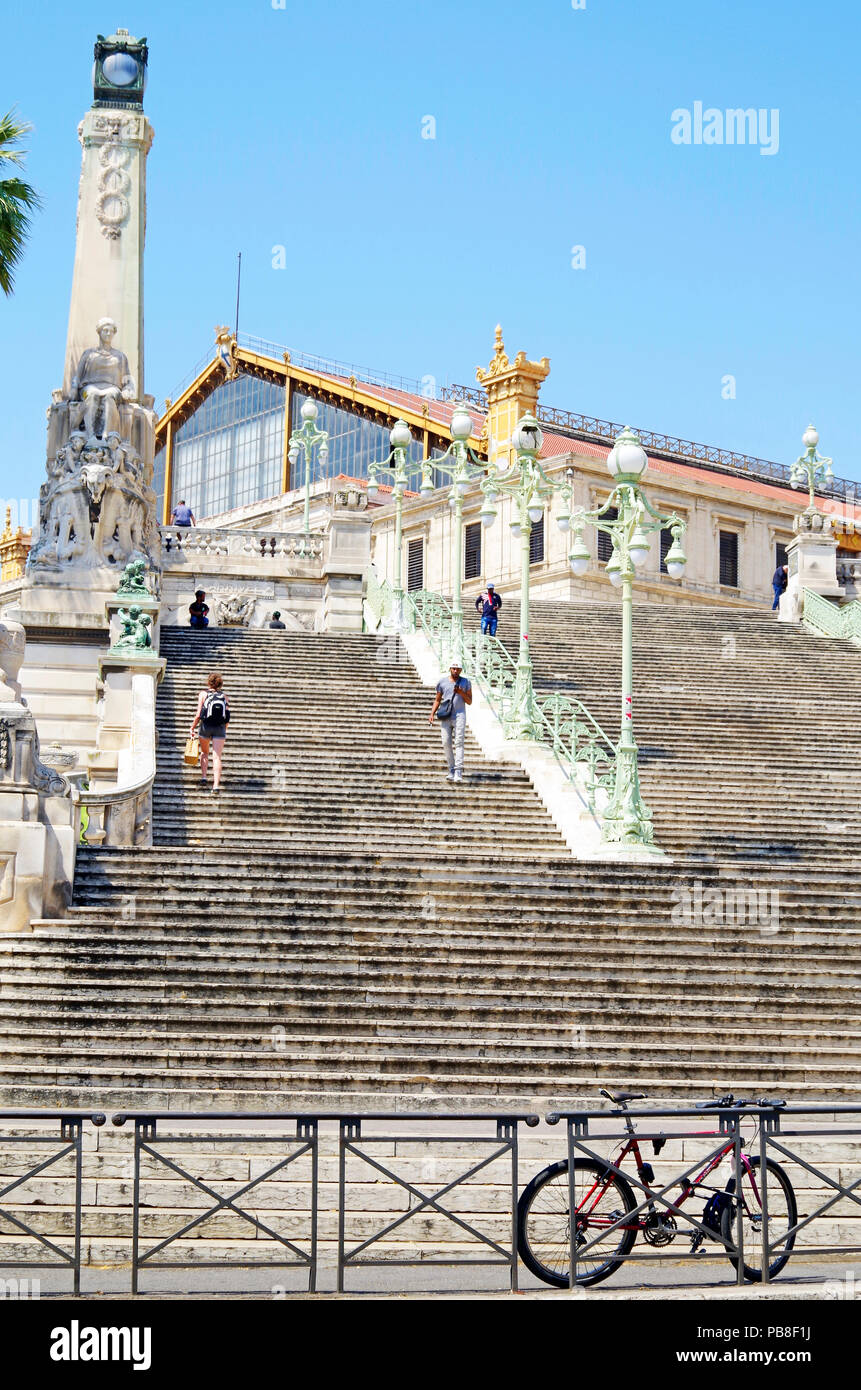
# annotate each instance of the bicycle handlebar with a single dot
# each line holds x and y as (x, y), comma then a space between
(729, 1102)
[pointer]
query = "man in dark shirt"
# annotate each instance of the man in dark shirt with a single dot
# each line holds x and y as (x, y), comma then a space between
(276, 621)
(199, 610)
(488, 605)
(779, 581)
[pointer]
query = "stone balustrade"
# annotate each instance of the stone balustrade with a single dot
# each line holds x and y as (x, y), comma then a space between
(196, 542)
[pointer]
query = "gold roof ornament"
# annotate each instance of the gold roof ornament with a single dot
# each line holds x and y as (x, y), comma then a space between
(501, 366)
(499, 360)
(225, 348)
(512, 391)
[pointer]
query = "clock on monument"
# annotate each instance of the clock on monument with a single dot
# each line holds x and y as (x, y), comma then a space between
(119, 72)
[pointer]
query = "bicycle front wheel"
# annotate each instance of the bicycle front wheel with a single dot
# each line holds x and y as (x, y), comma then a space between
(782, 1216)
(601, 1197)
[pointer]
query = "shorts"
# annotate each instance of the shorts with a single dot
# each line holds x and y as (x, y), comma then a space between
(212, 730)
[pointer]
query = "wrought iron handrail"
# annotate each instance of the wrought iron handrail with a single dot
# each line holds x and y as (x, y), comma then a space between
(826, 619)
(580, 746)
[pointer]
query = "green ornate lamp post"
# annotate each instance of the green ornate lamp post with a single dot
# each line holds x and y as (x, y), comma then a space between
(526, 482)
(811, 467)
(400, 439)
(464, 467)
(627, 821)
(306, 439)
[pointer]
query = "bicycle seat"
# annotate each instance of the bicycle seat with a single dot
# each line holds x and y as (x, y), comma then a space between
(622, 1096)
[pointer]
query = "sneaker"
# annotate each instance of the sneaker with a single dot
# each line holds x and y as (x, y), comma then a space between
(458, 777)
(216, 791)
(451, 774)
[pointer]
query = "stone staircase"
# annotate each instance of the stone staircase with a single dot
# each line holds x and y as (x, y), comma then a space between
(343, 925)
(748, 730)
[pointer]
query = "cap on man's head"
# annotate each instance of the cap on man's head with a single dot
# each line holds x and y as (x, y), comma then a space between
(490, 586)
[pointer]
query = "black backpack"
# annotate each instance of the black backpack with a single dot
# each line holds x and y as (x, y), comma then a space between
(215, 709)
(714, 1210)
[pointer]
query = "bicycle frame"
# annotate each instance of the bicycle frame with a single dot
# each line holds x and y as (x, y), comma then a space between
(688, 1188)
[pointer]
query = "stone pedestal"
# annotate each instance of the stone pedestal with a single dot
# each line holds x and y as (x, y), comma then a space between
(812, 559)
(347, 557)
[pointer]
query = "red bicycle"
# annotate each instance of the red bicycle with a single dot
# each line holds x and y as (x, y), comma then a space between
(603, 1196)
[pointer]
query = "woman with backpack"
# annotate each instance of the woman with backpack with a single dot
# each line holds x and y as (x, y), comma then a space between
(213, 716)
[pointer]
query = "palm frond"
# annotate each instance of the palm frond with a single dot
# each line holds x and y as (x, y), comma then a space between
(12, 132)
(17, 200)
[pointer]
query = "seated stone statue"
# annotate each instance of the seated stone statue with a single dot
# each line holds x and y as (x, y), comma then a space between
(101, 382)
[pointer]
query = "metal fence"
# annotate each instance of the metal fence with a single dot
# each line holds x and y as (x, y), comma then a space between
(501, 1145)
(53, 1148)
(764, 1185)
(301, 1140)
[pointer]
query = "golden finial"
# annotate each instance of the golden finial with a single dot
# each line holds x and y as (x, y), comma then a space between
(499, 360)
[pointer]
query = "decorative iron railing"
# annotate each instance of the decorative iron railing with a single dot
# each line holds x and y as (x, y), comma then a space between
(592, 428)
(581, 747)
(828, 620)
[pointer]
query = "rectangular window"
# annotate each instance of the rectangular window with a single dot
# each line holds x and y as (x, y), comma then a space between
(605, 544)
(729, 559)
(472, 551)
(780, 555)
(666, 542)
(536, 543)
(415, 564)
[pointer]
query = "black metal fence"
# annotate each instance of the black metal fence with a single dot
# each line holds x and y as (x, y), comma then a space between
(501, 1145)
(762, 1183)
(63, 1138)
(301, 1139)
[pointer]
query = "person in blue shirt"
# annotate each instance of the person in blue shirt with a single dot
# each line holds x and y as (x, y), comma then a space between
(488, 605)
(182, 515)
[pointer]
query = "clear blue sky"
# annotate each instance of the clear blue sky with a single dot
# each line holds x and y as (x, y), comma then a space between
(301, 127)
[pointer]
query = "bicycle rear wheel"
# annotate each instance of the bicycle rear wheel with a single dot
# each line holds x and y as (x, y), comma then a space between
(782, 1216)
(543, 1228)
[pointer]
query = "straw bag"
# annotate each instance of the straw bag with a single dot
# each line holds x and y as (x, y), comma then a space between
(191, 756)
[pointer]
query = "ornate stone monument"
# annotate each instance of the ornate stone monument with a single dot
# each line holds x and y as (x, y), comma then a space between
(97, 505)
